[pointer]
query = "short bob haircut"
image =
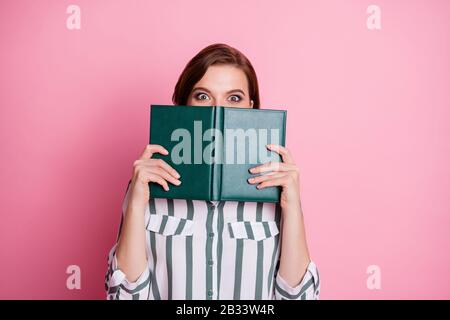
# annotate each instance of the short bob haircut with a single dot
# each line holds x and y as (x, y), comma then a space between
(215, 54)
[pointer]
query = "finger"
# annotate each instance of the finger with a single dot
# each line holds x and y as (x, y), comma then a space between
(160, 163)
(273, 166)
(164, 165)
(283, 151)
(153, 177)
(165, 175)
(265, 177)
(280, 181)
(150, 149)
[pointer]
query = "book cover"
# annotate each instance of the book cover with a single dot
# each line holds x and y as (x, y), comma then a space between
(212, 149)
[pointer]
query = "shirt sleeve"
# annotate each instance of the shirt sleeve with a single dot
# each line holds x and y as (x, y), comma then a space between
(307, 289)
(119, 288)
(117, 285)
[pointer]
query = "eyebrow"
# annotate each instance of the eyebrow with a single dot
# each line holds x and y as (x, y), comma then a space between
(231, 91)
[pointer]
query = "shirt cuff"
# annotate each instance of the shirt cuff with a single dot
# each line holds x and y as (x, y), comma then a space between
(121, 288)
(307, 289)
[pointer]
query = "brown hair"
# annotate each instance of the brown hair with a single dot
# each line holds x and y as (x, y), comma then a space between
(214, 54)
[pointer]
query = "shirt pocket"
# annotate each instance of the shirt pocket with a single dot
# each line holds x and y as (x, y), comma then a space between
(169, 225)
(253, 230)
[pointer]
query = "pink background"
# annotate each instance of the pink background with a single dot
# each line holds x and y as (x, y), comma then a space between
(368, 116)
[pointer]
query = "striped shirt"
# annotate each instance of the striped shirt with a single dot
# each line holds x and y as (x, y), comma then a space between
(210, 250)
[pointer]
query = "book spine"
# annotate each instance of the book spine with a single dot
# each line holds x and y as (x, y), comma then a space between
(218, 152)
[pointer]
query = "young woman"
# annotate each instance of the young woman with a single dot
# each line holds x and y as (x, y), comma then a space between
(192, 249)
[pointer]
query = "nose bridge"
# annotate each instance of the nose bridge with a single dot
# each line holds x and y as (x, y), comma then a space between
(219, 101)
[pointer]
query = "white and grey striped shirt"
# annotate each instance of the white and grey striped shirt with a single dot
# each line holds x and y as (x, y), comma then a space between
(210, 250)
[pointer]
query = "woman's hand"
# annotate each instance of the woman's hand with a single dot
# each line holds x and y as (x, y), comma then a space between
(294, 259)
(146, 170)
(284, 174)
(131, 245)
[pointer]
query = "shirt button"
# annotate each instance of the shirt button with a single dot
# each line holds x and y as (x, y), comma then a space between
(210, 262)
(211, 234)
(210, 293)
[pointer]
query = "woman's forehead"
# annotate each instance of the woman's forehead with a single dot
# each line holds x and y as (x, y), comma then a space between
(223, 78)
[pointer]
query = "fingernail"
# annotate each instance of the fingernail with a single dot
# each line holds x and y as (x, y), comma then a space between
(250, 180)
(178, 182)
(252, 170)
(177, 175)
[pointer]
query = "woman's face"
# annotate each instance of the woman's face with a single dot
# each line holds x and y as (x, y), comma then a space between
(221, 85)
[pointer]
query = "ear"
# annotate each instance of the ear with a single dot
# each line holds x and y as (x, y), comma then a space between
(251, 103)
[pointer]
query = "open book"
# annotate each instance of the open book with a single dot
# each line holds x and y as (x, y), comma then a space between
(212, 148)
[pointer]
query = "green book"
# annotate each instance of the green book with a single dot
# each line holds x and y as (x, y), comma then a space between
(213, 148)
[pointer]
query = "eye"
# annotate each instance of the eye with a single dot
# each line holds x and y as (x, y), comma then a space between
(201, 96)
(235, 98)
